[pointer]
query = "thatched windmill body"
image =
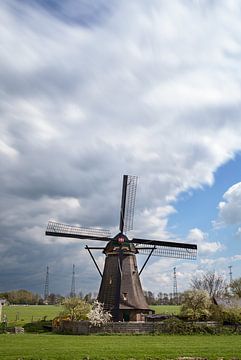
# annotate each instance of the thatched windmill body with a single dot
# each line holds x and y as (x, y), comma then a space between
(120, 289)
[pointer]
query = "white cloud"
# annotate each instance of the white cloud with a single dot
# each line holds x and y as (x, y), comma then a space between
(151, 89)
(230, 208)
(201, 239)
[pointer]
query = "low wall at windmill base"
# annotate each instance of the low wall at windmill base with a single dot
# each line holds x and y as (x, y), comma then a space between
(85, 328)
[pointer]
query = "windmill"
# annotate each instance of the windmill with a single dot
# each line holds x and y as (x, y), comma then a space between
(120, 289)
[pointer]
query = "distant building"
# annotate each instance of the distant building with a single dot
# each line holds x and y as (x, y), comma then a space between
(228, 302)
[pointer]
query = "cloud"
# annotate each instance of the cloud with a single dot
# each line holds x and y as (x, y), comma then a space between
(201, 239)
(146, 89)
(230, 208)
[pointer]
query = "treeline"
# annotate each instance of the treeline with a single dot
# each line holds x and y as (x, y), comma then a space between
(26, 297)
(214, 284)
(21, 296)
(163, 298)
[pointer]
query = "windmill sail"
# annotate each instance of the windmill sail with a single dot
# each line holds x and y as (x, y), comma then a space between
(166, 248)
(128, 203)
(63, 230)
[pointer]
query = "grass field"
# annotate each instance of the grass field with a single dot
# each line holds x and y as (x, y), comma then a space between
(166, 309)
(66, 347)
(98, 347)
(20, 315)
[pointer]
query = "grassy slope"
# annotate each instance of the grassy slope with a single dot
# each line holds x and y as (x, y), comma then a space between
(51, 347)
(26, 314)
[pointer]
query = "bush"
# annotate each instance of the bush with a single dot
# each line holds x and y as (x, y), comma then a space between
(98, 316)
(75, 309)
(38, 327)
(231, 316)
(196, 306)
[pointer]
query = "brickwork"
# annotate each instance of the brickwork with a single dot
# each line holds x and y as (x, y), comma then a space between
(84, 327)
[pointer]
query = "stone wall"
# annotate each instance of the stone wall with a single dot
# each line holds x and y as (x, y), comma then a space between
(84, 328)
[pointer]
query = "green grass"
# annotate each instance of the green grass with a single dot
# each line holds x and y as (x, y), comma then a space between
(20, 315)
(166, 309)
(66, 347)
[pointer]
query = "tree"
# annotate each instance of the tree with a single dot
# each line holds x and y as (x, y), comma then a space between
(235, 287)
(88, 298)
(54, 299)
(22, 297)
(150, 297)
(75, 309)
(196, 306)
(211, 282)
(98, 316)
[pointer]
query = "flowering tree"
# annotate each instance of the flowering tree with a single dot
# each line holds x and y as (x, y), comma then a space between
(75, 309)
(98, 316)
(196, 305)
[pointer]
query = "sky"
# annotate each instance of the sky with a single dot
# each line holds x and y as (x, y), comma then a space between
(91, 90)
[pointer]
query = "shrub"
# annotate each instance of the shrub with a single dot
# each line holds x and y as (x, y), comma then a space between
(75, 309)
(38, 327)
(196, 305)
(98, 316)
(231, 316)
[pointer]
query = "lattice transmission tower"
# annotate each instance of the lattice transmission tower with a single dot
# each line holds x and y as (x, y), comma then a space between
(174, 284)
(72, 291)
(46, 285)
(230, 274)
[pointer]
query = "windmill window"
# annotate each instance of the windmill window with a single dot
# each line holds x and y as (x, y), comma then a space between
(125, 296)
(110, 281)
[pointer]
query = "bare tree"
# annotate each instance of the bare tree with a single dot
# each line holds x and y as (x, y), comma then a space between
(211, 282)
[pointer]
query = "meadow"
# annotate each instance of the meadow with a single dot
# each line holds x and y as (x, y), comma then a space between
(50, 346)
(69, 347)
(20, 314)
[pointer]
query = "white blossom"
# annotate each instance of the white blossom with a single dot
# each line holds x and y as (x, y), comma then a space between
(98, 316)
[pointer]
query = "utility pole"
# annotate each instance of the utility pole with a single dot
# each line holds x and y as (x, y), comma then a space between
(72, 291)
(46, 285)
(175, 284)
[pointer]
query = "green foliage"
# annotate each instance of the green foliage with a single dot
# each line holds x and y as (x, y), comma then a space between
(178, 326)
(235, 287)
(231, 316)
(21, 297)
(75, 309)
(196, 305)
(38, 327)
(2, 328)
(226, 316)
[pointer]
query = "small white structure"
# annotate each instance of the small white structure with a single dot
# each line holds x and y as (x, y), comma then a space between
(3, 302)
